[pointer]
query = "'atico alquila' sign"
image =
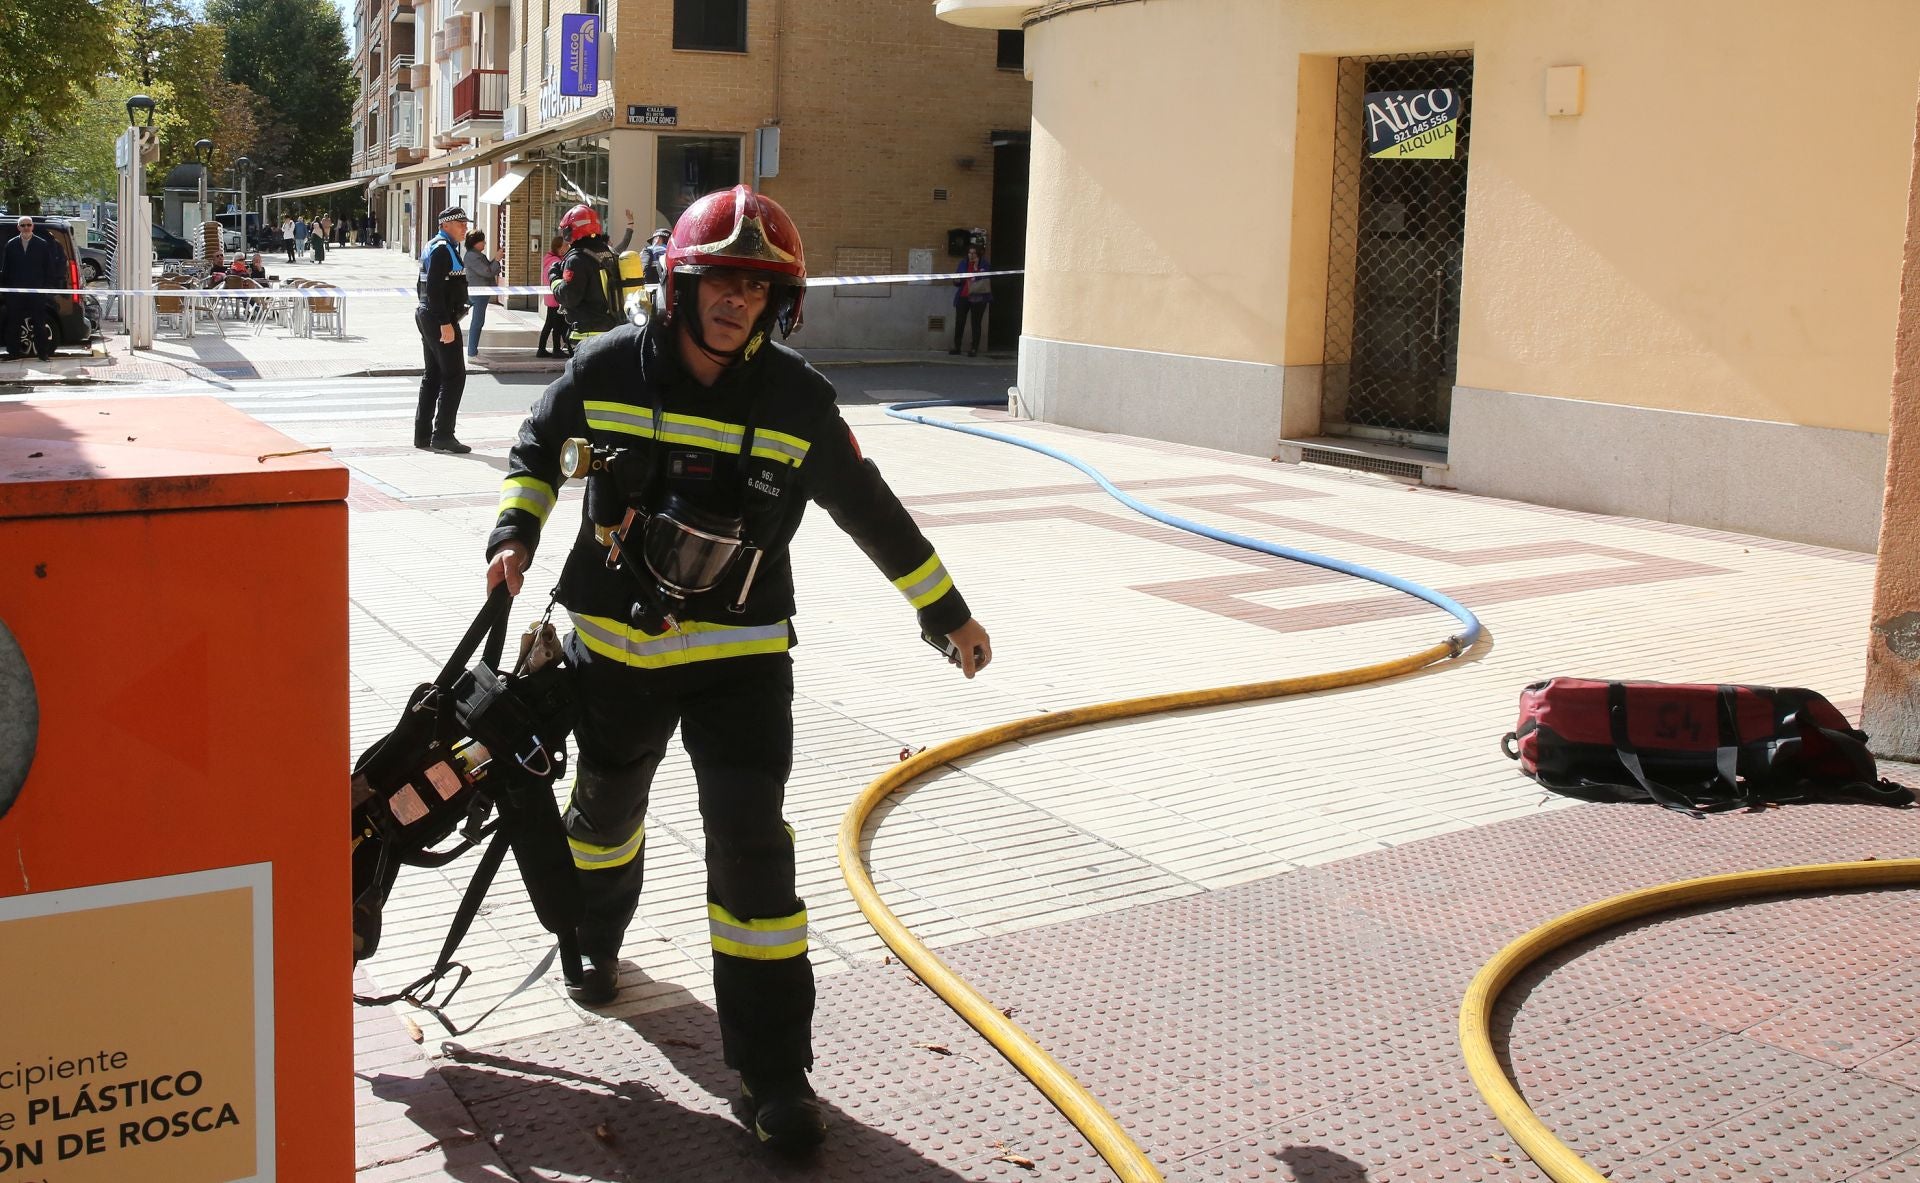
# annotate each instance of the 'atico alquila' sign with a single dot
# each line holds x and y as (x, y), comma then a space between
(1412, 124)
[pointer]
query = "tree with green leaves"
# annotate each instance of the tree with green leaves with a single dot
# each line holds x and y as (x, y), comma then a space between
(55, 53)
(293, 55)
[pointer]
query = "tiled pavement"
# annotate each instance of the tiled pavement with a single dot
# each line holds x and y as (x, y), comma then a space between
(1246, 929)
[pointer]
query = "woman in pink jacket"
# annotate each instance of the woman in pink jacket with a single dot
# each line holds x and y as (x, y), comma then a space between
(550, 264)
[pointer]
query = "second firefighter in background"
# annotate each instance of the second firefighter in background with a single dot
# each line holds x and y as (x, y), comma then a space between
(708, 441)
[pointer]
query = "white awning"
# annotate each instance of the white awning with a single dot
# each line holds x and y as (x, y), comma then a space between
(353, 182)
(498, 192)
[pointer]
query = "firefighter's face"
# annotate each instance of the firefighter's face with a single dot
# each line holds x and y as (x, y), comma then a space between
(731, 303)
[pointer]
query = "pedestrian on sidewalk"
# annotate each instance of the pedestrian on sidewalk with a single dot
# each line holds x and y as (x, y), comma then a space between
(443, 301)
(971, 297)
(697, 639)
(481, 272)
(30, 261)
(551, 265)
(301, 229)
(286, 236)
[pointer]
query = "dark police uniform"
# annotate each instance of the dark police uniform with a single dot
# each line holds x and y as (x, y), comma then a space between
(724, 678)
(443, 301)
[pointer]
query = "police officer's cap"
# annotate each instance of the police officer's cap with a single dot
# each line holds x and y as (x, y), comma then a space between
(452, 213)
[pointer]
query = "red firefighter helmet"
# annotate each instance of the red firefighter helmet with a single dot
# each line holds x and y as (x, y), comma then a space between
(741, 229)
(579, 222)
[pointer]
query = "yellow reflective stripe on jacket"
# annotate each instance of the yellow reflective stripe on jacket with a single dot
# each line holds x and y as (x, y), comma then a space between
(925, 583)
(694, 431)
(778, 445)
(527, 493)
(757, 940)
(624, 418)
(683, 644)
(589, 857)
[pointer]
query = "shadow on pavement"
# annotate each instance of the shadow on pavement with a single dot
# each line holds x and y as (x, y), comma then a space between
(547, 1120)
(1317, 1164)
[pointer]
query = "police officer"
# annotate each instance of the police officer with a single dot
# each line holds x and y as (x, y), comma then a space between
(443, 301)
(707, 440)
(653, 255)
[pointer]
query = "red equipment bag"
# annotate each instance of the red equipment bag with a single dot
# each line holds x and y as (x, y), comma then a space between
(1695, 748)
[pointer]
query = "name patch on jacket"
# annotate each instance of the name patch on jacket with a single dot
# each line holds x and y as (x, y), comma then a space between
(765, 481)
(690, 466)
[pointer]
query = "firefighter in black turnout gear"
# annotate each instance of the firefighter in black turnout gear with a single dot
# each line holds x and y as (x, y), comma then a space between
(702, 441)
(443, 301)
(591, 288)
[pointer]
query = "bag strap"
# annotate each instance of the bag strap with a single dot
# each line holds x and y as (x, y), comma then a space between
(422, 990)
(1630, 760)
(491, 624)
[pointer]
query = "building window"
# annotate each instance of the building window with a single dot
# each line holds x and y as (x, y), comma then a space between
(710, 24)
(691, 167)
(1013, 50)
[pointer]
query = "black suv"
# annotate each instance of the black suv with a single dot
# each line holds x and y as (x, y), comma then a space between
(74, 318)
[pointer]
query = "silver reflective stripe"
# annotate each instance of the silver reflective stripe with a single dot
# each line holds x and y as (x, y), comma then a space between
(673, 642)
(589, 856)
(724, 440)
(631, 419)
(761, 443)
(759, 938)
(537, 494)
(932, 580)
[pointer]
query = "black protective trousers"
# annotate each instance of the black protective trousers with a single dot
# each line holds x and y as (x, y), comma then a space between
(735, 717)
(441, 386)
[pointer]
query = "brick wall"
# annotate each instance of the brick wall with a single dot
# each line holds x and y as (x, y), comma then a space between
(879, 105)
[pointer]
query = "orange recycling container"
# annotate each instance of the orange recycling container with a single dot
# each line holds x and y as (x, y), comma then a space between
(174, 881)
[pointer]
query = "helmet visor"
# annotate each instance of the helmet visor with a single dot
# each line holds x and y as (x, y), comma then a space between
(685, 558)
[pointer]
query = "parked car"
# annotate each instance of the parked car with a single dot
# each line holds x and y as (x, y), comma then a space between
(74, 322)
(96, 263)
(168, 245)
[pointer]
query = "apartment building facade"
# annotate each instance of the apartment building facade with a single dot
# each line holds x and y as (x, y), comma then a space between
(887, 133)
(1531, 250)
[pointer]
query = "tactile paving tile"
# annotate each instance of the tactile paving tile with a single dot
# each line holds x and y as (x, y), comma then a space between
(1630, 1103)
(1302, 1027)
(1830, 1131)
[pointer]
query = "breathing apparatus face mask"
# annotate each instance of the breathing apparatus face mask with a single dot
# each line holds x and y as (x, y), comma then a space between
(689, 550)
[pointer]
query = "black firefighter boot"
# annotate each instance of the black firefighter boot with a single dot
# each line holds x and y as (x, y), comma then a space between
(785, 1113)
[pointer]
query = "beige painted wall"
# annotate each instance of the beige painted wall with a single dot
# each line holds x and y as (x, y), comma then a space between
(1720, 232)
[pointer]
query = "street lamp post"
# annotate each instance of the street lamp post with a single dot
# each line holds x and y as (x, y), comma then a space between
(133, 249)
(243, 166)
(203, 152)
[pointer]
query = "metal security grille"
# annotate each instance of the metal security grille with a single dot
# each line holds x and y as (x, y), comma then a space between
(1393, 275)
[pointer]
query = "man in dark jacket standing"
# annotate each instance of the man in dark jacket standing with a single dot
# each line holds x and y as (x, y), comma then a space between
(443, 301)
(708, 440)
(30, 261)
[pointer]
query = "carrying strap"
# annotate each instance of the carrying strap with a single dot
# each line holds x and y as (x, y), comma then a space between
(1867, 782)
(490, 624)
(1630, 760)
(421, 992)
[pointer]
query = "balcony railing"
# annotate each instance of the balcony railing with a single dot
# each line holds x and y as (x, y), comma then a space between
(482, 94)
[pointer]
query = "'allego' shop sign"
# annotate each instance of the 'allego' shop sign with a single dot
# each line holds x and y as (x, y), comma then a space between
(1412, 124)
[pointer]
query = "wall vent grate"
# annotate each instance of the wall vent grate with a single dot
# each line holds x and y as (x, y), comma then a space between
(939, 194)
(936, 324)
(1374, 464)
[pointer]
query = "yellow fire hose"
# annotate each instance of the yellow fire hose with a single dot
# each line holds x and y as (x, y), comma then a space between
(1476, 1009)
(1059, 1086)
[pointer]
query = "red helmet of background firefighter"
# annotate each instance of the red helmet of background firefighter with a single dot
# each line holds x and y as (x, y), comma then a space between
(580, 222)
(740, 231)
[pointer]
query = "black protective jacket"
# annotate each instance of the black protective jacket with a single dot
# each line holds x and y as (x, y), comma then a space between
(800, 450)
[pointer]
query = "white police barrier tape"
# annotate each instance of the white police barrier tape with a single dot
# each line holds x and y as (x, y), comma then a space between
(329, 293)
